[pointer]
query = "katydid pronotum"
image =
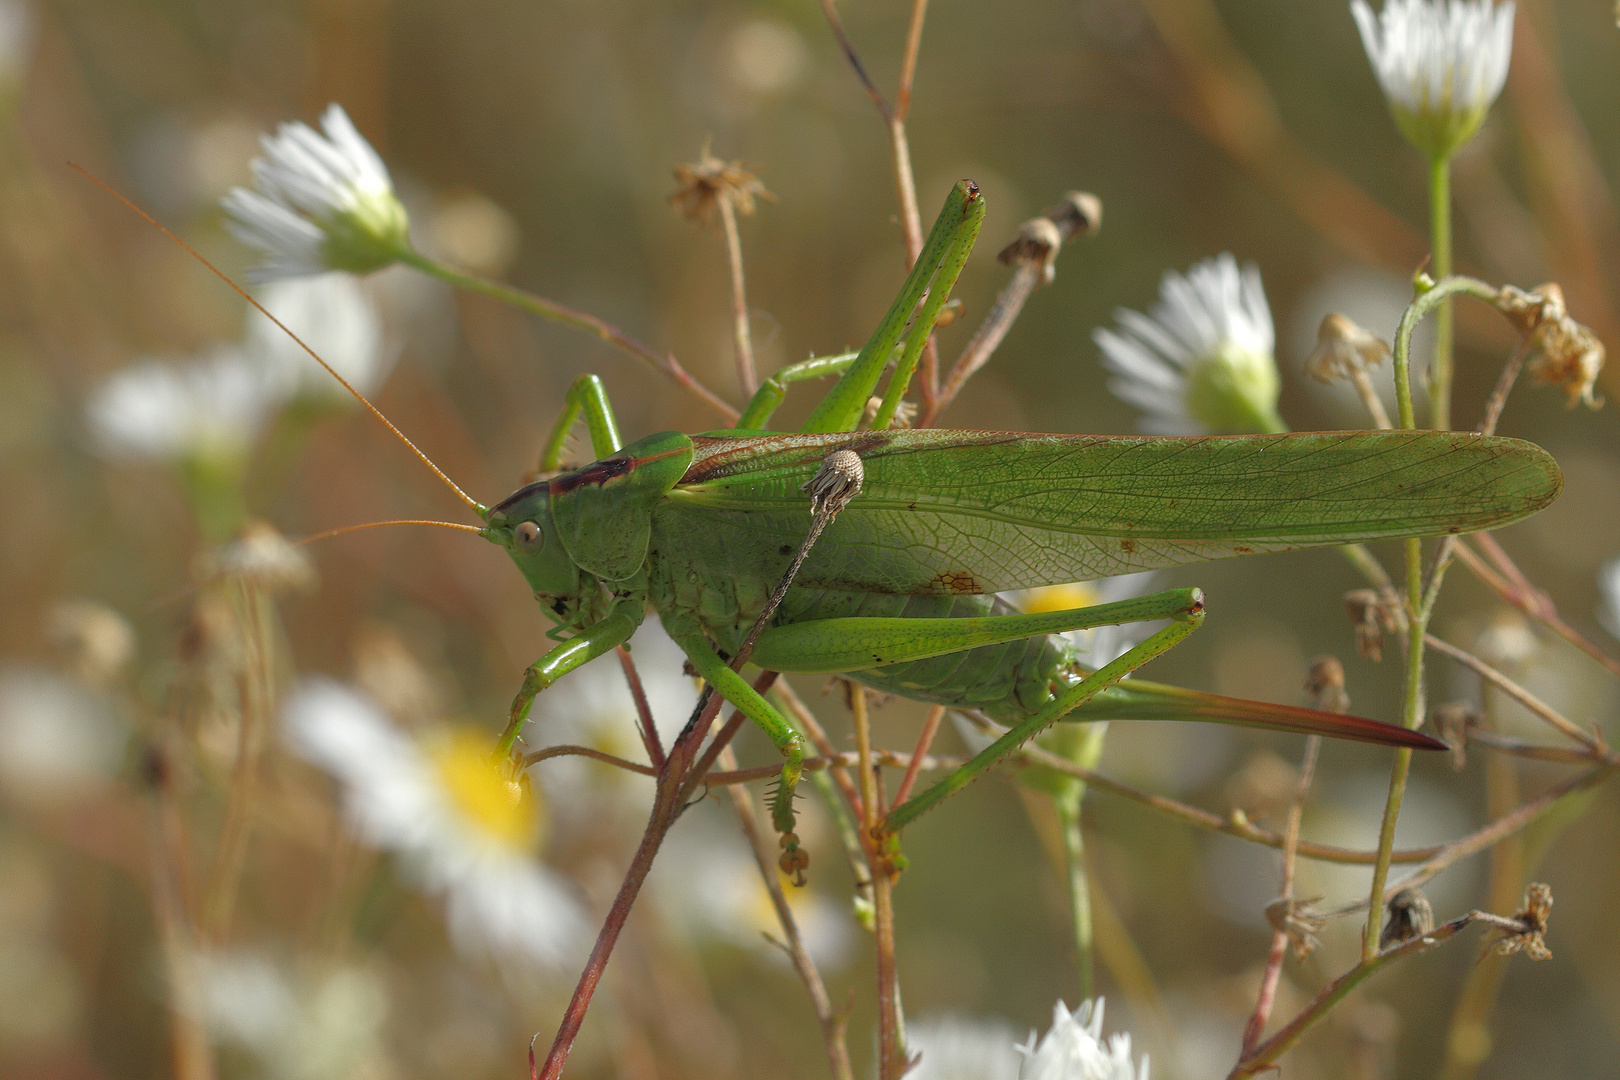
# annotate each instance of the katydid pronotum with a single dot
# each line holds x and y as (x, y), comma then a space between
(898, 593)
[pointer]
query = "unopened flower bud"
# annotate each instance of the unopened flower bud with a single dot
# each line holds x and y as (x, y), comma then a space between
(1410, 916)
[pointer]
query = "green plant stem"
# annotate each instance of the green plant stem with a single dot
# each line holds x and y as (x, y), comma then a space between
(1440, 248)
(1417, 610)
(1074, 851)
(579, 320)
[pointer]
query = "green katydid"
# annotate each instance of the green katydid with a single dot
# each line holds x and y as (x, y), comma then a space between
(898, 593)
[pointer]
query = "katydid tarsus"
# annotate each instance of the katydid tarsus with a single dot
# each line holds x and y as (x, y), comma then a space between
(898, 593)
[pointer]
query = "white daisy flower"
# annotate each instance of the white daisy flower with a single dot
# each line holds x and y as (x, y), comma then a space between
(323, 1024)
(332, 314)
(954, 1048)
(1609, 593)
(320, 202)
(1202, 360)
(461, 826)
(1441, 64)
(208, 408)
(1073, 1049)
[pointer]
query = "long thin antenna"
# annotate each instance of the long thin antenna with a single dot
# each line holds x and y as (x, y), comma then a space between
(343, 529)
(478, 508)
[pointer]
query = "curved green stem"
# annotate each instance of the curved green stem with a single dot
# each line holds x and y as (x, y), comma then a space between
(1417, 611)
(579, 320)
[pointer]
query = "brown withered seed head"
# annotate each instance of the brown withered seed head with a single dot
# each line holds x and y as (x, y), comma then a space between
(94, 641)
(702, 185)
(1372, 619)
(1079, 213)
(1037, 243)
(1296, 920)
(1324, 682)
(261, 557)
(1538, 901)
(1343, 349)
(1567, 355)
(1452, 722)
(1410, 916)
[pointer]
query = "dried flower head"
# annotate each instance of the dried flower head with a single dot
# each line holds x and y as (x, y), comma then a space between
(1344, 350)
(1538, 901)
(1372, 619)
(1324, 682)
(1298, 921)
(1410, 916)
(1078, 213)
(1036, 243)
(1441, 64)
(320, 201)
(707, 182)
(1453, 721)
(1567, 355)
(905, 413)
(263, 558)
(95, 642)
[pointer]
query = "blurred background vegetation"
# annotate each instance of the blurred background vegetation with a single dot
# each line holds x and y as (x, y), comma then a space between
(534, 140)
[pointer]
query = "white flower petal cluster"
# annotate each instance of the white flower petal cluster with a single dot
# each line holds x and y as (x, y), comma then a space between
(320, 201)
(1074, 1050)
(1441, 64)
(16, 39)
(1202, 359)
(211, 407)
(1609, 597)
(58, 738)
(498, 899)
(333, 315)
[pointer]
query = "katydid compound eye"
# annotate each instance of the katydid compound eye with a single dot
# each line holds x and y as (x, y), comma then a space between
(529, 536)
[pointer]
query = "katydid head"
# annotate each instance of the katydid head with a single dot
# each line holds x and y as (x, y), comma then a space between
(523, 524)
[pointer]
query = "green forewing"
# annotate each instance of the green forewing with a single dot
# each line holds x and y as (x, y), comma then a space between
(978, 511)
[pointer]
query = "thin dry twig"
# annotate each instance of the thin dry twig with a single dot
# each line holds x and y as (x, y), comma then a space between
(1524, 929)
(1272, 975)
(832, 1022)
(1518, 693)
(1528, 599)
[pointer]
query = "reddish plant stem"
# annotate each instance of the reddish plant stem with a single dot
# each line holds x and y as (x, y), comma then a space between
(920, 755)
(644, 716)
(674, 783)
(1279, 939)
(1510, 584)
(832, 1023)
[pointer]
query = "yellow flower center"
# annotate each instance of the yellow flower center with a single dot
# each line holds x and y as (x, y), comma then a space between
(485, 792)
(1058, 597)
